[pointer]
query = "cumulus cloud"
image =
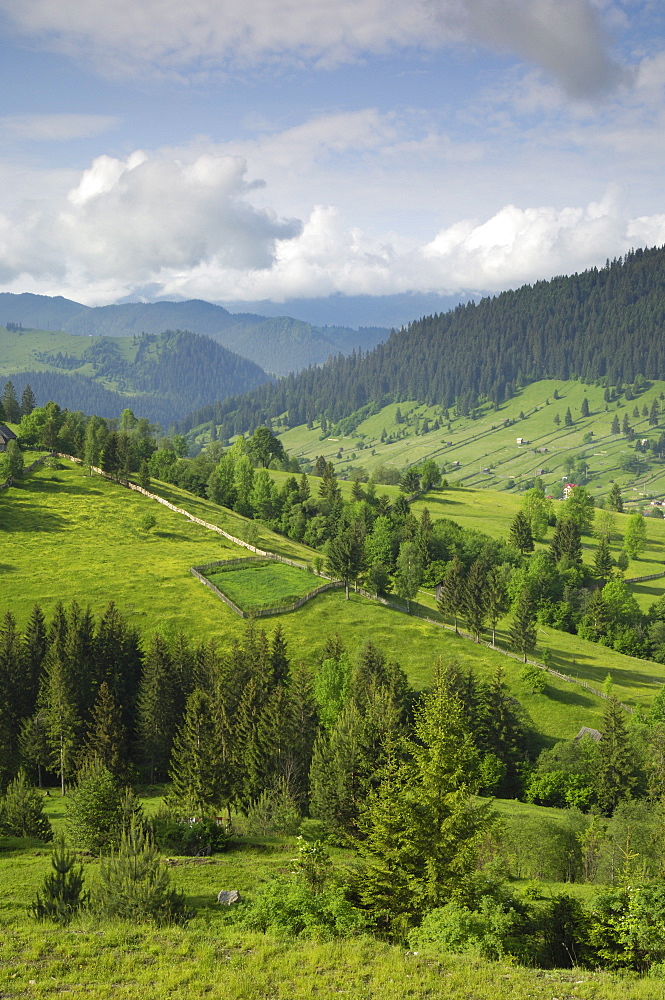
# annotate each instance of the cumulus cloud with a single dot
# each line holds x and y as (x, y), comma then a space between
(514, 246)
(565, 37)
(127, 222)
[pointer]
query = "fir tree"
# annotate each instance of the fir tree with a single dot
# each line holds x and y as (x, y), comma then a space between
(522, 633)
(603, 561)
(616, 775)
(474, 602)
(451, 595)
(28, 401)
(568, 418)
(520, 533)
(62, 894)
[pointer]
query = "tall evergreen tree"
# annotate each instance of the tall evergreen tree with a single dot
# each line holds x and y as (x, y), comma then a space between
(520, 533)
(197, 765)
(617, 774)
(522, 633)
(451, 595)
(474, 603)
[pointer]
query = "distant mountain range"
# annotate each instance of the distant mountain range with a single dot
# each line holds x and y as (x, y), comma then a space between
(159, 376)
(278, 344)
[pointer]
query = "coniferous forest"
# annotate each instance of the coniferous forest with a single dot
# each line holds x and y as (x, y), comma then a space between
(601, 324)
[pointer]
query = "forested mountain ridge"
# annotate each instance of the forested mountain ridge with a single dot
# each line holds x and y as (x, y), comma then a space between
(158, 376)
(602, 323)
(278, 344)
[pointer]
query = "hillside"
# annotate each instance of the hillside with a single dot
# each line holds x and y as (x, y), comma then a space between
(602, 324)
(159, 376)
(277, 344)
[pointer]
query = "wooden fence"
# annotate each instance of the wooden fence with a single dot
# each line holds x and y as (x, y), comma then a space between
(198, 572)
(298, 604)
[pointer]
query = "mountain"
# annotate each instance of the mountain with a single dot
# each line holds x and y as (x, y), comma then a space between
(159, 376)
(277, 344)
(601, 324)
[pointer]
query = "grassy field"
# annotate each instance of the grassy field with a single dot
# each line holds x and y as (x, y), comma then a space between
(262, 585)
(66, 535)
(486, 449)
(215, 956)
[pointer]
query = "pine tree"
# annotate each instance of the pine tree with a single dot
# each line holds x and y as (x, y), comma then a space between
(94, 810)
(616, 775)
(62, 894)
(22, 811)
(522, 634)
(614, 499)
(451, 596)
(603, 561)
(134, 883)
(520, 533)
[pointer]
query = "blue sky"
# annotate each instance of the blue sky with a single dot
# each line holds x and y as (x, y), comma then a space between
(252, 150)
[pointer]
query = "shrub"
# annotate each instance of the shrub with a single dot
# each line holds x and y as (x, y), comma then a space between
(276, 811)
(134, 883)
(62, 894)
(492, 930)
(22, 811)
(191, 836)
(94, 811)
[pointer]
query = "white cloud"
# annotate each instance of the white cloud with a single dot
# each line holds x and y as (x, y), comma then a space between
(56, 127)
(127, 222)
(123, 37)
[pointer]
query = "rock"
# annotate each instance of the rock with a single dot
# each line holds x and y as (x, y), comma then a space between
(227, 897)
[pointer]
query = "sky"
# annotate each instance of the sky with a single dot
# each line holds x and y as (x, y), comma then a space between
(248, 150)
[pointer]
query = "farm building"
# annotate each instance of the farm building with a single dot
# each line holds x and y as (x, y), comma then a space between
(5, 437)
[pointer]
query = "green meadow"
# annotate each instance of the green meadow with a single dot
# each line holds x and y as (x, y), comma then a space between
(262, 585)
(484, 452)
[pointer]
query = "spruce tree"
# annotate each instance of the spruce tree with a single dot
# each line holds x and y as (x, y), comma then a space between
(614, 499)
(62, 720)
(496, 597)
(107, 739)
(522, 634)
(617, 774)
(62, 894)
(421, 827)
(10, 403)
(520, 533)
(474, 602)
(28, 401)
(157, 711)
(451, 595)
(603, 561)
(197, 763)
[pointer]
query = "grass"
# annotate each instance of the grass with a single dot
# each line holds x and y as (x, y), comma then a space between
(490, 440)
(214, 956)
(67, 535)
(262, 585)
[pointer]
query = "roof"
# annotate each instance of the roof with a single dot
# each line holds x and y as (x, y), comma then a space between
(593, 734)
(6, 434)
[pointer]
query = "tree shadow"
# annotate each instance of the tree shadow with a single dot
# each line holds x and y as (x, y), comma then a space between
(32, 518)
(6, 568)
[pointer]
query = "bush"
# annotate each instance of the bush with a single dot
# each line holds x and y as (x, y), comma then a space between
(134, 883)
(493, 930)
(275, 812)
(94, 811)
(22, 811)
(62, 893)
(285, 906)
(177, 834)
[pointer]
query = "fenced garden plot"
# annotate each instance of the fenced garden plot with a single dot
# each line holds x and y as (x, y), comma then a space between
(259, 587)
